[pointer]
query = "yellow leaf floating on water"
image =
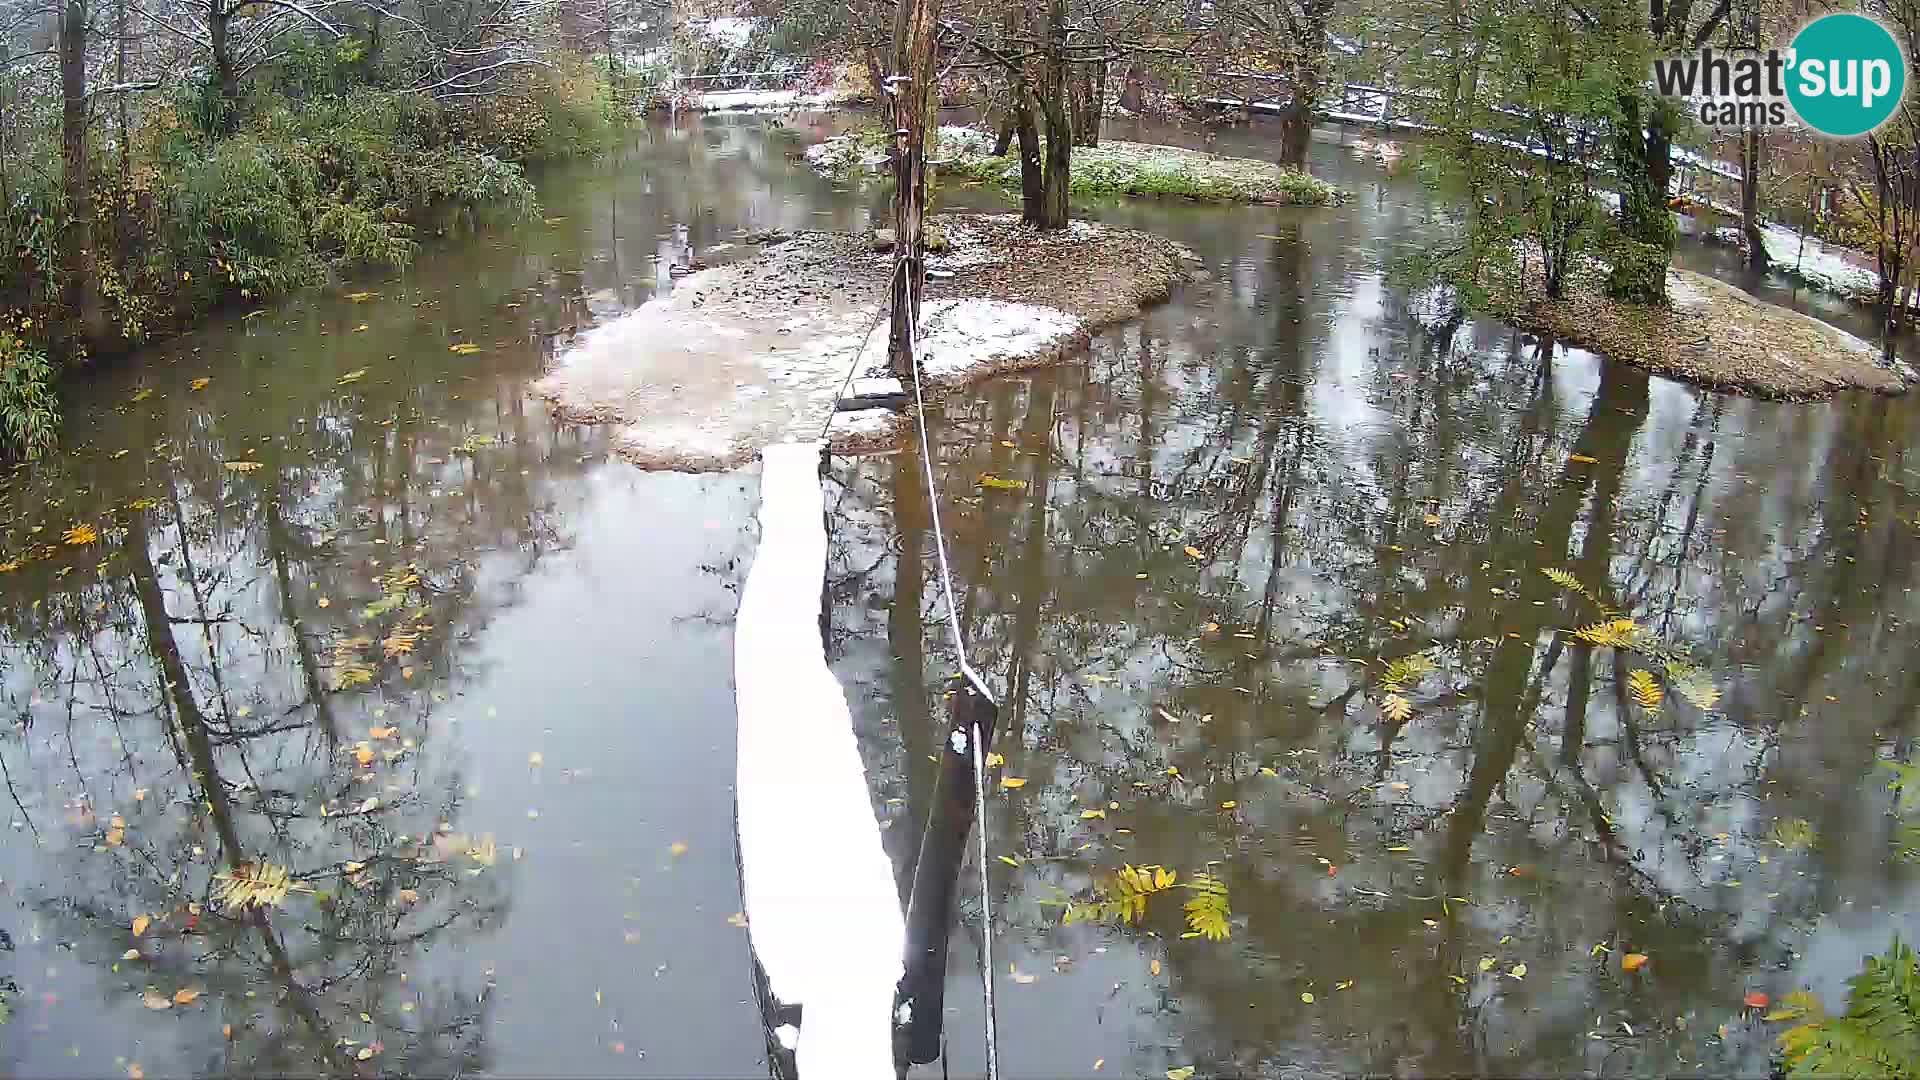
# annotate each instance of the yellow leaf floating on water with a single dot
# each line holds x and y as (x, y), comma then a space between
(361, 297)
(464, 348)
(1306, 996)
(81, 535)
(116, 831)
(1633, 961)
(1011, 782)
(200, 383)
(739, 919)
(1582, 459)
(140, 924)
(1154, 967)
(988, 480)
(995, 759)
(677, 848)
(1612, 634)
(130, 954)
(242, 466)
(1184, 1072)
(249, 886)
(1194, 552)
(1519, 971)
(1486, 963)
(351, 377)
(1646, 693)
(361, 329)
(185, 997)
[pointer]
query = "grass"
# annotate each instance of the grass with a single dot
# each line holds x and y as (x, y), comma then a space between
(1113, 168)
(1140, 169)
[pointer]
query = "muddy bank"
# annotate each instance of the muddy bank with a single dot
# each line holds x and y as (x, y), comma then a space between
(756, 352)
(1716, 336)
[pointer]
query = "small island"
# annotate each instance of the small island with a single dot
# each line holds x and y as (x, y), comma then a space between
(1111, 168)
(759, 351)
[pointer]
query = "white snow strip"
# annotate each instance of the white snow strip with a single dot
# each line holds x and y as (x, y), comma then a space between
(1819, 267)
(822, 913)
(765, 100)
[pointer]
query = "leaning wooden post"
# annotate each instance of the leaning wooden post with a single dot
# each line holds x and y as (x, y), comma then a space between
(914, 25)
(921, 1001)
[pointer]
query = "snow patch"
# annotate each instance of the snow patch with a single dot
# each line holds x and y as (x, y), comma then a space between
(822, 912)
(765, 101)
(1818, 266)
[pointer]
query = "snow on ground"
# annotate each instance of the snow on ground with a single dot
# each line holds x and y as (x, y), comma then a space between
(699, 388)
(823, 914)
(765, 101)
(1819, 267)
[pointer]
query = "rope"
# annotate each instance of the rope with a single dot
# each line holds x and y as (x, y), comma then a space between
(977, 684)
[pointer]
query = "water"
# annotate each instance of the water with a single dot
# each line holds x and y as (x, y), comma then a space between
(1357, 484)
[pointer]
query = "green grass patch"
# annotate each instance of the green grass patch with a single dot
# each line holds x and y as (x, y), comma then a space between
(1140, 169)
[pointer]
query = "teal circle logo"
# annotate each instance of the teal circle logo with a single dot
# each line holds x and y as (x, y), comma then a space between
(1846, 74)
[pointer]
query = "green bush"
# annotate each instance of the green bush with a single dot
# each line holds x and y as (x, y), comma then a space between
(240, 210)
(1639, 271)
(29, 410)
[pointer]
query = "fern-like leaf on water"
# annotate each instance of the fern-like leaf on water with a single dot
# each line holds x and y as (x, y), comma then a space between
(1564, 579)
(261, 886)
(1206, 909)
(1407, 669)
(1124, 897)
(1612, 634)
(1693, 684)
(1646, 692)
(1396, 708)
(1879, 1035)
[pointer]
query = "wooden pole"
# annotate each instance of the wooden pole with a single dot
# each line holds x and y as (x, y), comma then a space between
(921, 1000)
(910, 89)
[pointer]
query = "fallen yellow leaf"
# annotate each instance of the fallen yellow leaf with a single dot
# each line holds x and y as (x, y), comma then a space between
(200, 383)
(1011, 782)
(1194, 552)
(130, 954)
(140, 924)
(1306, 996)
(1154, 967)
(1581, 459)
(677, 848)
(185, 997)
(1184, 1072)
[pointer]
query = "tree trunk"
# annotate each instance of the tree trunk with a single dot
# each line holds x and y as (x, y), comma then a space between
(1032, 168)
(1309, 74)
(226, 77)
(1643, 160)
(1003, 136)
(1750, 198)
(1052, 100)
(915, 22)
(1055, 180)
(1088, 83)
(81, 288)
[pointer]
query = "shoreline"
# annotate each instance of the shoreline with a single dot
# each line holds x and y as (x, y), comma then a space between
(755, 352)
(1717, 337)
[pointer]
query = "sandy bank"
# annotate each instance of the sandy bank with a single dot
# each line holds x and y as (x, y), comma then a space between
(1719, 337)
(755, 352)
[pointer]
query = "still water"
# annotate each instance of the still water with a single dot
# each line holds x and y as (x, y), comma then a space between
(354, 607)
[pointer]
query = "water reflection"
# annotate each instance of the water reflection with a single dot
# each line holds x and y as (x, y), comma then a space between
(356, 605)
(1235, 519)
